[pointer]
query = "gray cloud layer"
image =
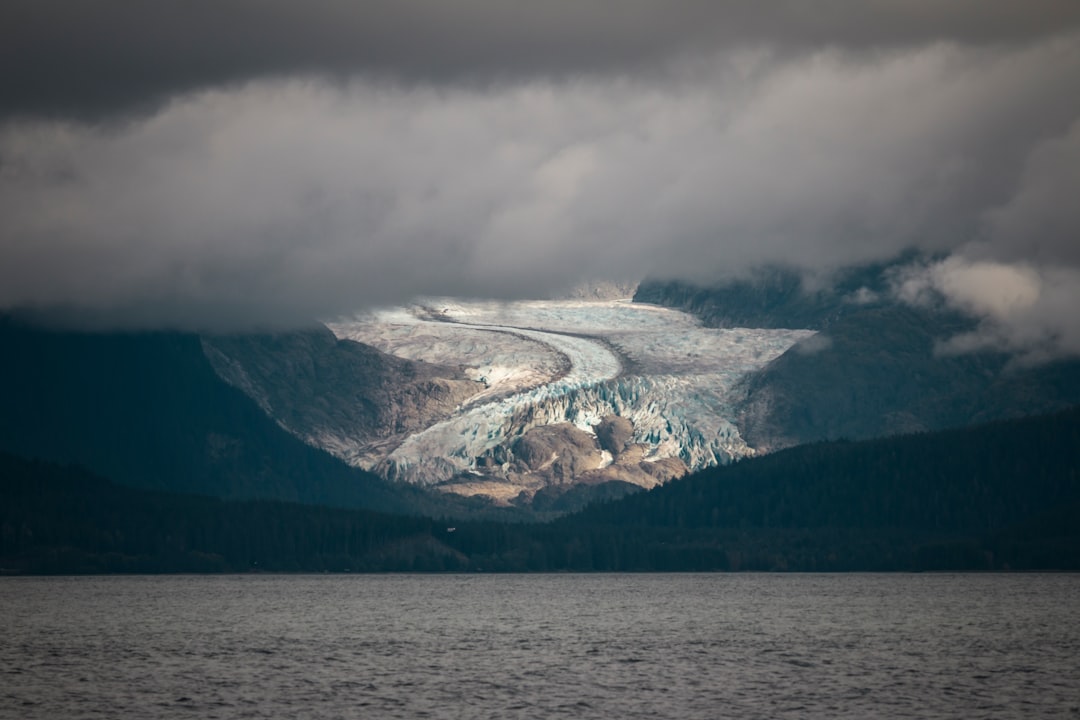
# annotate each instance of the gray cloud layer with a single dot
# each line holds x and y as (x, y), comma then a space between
(301, 181)
(89, 58)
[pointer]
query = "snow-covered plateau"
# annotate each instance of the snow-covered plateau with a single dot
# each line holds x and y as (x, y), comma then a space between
(656, 383)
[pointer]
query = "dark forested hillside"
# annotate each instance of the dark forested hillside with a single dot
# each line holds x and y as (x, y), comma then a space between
(146, 409)
(970, 481)
(1004, 495)
(1001, 496)
(65, 520)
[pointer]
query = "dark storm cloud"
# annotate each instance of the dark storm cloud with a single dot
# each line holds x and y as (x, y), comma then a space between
(70, 57)
(300, 160)
(284, 200)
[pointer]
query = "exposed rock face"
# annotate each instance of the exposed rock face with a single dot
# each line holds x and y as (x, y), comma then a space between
(552, 459)
(642, 474)
(330, 392)
(614, 433)
(556, 454)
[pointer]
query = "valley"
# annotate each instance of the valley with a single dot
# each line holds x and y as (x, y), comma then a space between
(548, 374)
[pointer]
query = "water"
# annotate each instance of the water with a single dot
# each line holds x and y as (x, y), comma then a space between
(541, 646)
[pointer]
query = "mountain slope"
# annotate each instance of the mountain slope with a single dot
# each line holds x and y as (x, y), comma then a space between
(338, 394)
(878, 374)
(774, 297)
(874, 368)
(1000, 496)
(971, 480)
(148, 410)
(57, 519)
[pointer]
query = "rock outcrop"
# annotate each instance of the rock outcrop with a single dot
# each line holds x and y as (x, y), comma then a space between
(553, 459)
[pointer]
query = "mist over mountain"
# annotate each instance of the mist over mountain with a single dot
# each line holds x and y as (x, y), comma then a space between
(154, 412)
(538, 407)
(579, 286)
(879, 364)
(316, 161)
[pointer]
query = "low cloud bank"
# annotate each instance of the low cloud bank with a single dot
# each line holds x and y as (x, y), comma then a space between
(269, 203)
(1025, 310)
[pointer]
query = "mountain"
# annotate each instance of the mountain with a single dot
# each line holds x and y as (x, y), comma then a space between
(971, 480)
(879, 374)
(507, 401)
(776, 296)
(148, 410)
(873, 369)
(528, 408)
(340, 395)
(993, 497)
(63, 519)
(1001, 495)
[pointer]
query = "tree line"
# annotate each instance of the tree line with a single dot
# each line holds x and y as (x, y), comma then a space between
(1000, 496)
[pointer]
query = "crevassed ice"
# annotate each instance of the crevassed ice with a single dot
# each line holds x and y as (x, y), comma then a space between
(573, 361)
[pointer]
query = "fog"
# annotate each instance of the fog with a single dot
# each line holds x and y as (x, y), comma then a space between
(276, 183)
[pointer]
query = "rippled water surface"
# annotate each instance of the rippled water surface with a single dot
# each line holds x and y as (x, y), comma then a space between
(541, 646)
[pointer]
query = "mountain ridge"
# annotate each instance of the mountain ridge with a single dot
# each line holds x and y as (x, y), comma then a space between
(876, 366)
(147, 409)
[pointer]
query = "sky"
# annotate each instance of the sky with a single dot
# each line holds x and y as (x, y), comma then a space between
(237, 164)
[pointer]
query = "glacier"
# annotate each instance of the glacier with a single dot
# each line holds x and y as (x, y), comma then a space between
(540, 363)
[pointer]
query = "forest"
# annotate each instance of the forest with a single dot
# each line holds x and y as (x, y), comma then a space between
(1003, 496)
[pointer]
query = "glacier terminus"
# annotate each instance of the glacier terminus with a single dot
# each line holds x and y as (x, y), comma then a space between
(566, 392)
